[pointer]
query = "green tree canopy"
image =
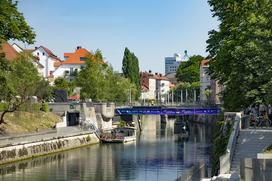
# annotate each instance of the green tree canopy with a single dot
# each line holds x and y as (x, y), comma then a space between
(189, 71)
(130, 67)
(19, 80)
(240, 51)
(13, 25)
(99, 82)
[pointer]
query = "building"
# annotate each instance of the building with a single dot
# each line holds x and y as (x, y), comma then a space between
(172, 63)
(148, 86)
(72, 64)
(154, 86)
(209, 89)
(12, 52)
(47, 59)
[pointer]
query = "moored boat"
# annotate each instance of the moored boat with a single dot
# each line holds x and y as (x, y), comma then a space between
(119, 135)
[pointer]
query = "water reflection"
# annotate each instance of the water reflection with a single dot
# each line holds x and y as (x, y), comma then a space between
(156, 155)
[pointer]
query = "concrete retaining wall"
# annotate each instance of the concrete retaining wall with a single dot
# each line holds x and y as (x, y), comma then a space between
(28, 150)
(225, 160)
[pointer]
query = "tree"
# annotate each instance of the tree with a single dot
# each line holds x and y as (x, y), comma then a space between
(91, 78)
(13, 24)
(191, 89)
(44, 90)
(189, 71)
(61, 83)
(130, 67)
(19, 80)
(99, 82)
(240, 51)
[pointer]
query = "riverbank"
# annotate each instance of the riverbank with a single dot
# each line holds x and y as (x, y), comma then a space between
(14, 149)
(20, 122)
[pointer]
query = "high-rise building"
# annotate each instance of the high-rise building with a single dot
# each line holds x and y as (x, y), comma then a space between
(172, 63)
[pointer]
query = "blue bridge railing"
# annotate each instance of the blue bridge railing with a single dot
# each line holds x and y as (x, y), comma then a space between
(166, 111)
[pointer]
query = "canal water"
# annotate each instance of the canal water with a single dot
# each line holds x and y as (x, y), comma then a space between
(158, 154)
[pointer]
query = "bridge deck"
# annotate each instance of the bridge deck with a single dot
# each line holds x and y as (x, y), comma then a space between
(166, 111)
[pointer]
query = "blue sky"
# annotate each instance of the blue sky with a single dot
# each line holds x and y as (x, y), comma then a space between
(152, 29)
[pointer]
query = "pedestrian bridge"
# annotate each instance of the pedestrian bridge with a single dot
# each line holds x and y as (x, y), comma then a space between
(142, 110)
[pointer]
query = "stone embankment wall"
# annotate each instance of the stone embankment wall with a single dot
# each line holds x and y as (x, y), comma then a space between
(99, 114)
(28, 150)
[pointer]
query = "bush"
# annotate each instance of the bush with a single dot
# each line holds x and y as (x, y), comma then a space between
(121, 124)
(45, 107)
(3, 106)
(221, 134)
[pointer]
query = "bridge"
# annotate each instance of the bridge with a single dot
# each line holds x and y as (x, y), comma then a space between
(175, 111)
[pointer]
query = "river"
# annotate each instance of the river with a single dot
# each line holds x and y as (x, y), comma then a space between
(157, 154)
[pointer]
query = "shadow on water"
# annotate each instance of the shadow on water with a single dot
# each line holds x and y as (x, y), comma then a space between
(158, 154)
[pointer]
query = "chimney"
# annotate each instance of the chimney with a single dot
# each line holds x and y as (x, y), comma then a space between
(36, 48)
(156, 73)
(150, 71)
(160, 75)
(78, 47)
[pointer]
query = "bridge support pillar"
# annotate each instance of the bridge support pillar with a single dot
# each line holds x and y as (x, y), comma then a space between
(164, 118)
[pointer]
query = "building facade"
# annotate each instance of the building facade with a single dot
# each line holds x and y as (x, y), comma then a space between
(154, 86)
(209, 89)
(172, 63)
(72, 64)
(48, 60)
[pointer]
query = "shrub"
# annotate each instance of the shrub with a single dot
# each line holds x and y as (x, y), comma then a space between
(3, 106)
(45, 107)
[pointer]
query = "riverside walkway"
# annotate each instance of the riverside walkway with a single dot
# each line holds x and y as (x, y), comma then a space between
(250, 142)
(12, 140)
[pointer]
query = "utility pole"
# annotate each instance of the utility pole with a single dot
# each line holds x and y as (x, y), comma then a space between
(172, 96)
(167, 98)
(130, 96)
(186, 95)
(195, 95)
(181, 97)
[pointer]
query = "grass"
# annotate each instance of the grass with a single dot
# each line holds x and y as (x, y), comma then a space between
(25, 122)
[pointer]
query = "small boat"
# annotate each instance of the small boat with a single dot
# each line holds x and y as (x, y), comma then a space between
(119, 135)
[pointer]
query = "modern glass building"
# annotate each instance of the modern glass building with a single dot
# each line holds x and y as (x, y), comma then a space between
(172, 63)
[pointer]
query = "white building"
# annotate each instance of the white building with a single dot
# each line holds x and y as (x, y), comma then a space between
(72, 64)
(34, 59)
(154, 86)
(48, 59)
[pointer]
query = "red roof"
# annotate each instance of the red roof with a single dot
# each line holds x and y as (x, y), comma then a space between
(76, 57)
(204, 62)
(9, 51)
(50, 53)
(74, 97)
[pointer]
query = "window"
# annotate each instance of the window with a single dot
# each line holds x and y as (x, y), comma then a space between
(43, 53)
(38, 53)
(71, 71)
(83, 58)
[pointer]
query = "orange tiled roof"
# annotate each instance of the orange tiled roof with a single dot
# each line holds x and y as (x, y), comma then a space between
(74, 58)
(204, 62)
(74, 97)
(9, 51)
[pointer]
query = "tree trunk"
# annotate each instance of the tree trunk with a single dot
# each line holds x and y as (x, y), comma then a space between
(2, 117)
(2, 121)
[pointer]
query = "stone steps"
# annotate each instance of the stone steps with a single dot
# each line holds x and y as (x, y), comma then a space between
(249, 143)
